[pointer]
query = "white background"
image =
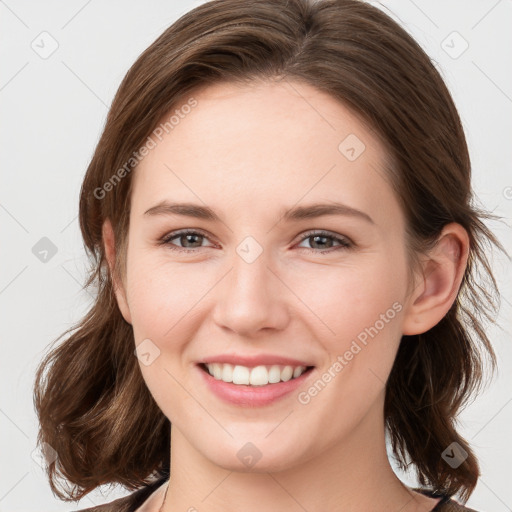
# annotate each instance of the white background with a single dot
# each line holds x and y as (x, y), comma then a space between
(52, 113)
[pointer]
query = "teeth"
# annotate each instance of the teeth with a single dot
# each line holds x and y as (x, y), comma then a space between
(297, 372)
(257, 376)
(287, 373)
(274, 374)
(240, 375)
(227, 373)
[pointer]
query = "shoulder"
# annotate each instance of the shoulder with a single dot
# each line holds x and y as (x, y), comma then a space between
(124, 504)
(452, 506)
(446, 504)
(128, 503)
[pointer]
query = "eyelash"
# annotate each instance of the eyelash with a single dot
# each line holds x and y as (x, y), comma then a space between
(345, 243)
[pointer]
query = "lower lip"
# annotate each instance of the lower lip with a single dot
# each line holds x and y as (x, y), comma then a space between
(251, 396)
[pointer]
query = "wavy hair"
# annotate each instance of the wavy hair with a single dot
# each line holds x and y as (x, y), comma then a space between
(93, 405)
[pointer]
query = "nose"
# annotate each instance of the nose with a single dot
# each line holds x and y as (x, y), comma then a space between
(251, 298)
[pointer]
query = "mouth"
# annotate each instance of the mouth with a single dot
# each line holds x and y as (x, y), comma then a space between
(255, 386)
(256, 376)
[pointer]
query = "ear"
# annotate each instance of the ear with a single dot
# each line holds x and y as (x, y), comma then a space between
(441, 278)
(110, 253)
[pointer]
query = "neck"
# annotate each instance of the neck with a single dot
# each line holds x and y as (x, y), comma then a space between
(353, 475)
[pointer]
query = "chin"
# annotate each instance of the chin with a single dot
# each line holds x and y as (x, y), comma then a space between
(258, 456)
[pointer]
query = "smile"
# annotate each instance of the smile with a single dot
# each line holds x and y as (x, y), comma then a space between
(255, 386)
(257, 376)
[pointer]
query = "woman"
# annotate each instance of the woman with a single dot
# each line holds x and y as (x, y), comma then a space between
(280, 216)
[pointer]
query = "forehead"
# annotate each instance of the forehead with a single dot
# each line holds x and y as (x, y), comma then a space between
(265, 144)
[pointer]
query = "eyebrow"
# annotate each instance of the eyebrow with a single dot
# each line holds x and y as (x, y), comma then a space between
(293, 214)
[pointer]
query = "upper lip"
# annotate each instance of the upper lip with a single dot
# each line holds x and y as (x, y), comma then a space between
(252, 361)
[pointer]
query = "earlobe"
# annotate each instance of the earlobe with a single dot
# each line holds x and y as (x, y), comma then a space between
(110, 254)
(443, 271)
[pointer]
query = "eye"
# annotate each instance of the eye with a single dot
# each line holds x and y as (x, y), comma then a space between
(185, 237)
(323, 239)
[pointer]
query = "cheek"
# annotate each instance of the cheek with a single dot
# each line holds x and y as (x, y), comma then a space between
(358, 322)
(160, 294)
(340, 299)
(161, 301)
(345, 300)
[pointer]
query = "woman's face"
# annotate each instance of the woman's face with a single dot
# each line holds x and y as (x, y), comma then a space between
(263, 278)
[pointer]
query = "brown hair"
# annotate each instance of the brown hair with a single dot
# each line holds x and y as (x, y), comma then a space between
(92, 402)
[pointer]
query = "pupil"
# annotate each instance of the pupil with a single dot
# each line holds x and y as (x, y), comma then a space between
(315, 237)
(187, 237)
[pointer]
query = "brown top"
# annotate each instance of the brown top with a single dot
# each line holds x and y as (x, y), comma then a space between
(133, 501)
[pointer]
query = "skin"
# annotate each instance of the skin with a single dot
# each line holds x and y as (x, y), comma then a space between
(248, 152)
